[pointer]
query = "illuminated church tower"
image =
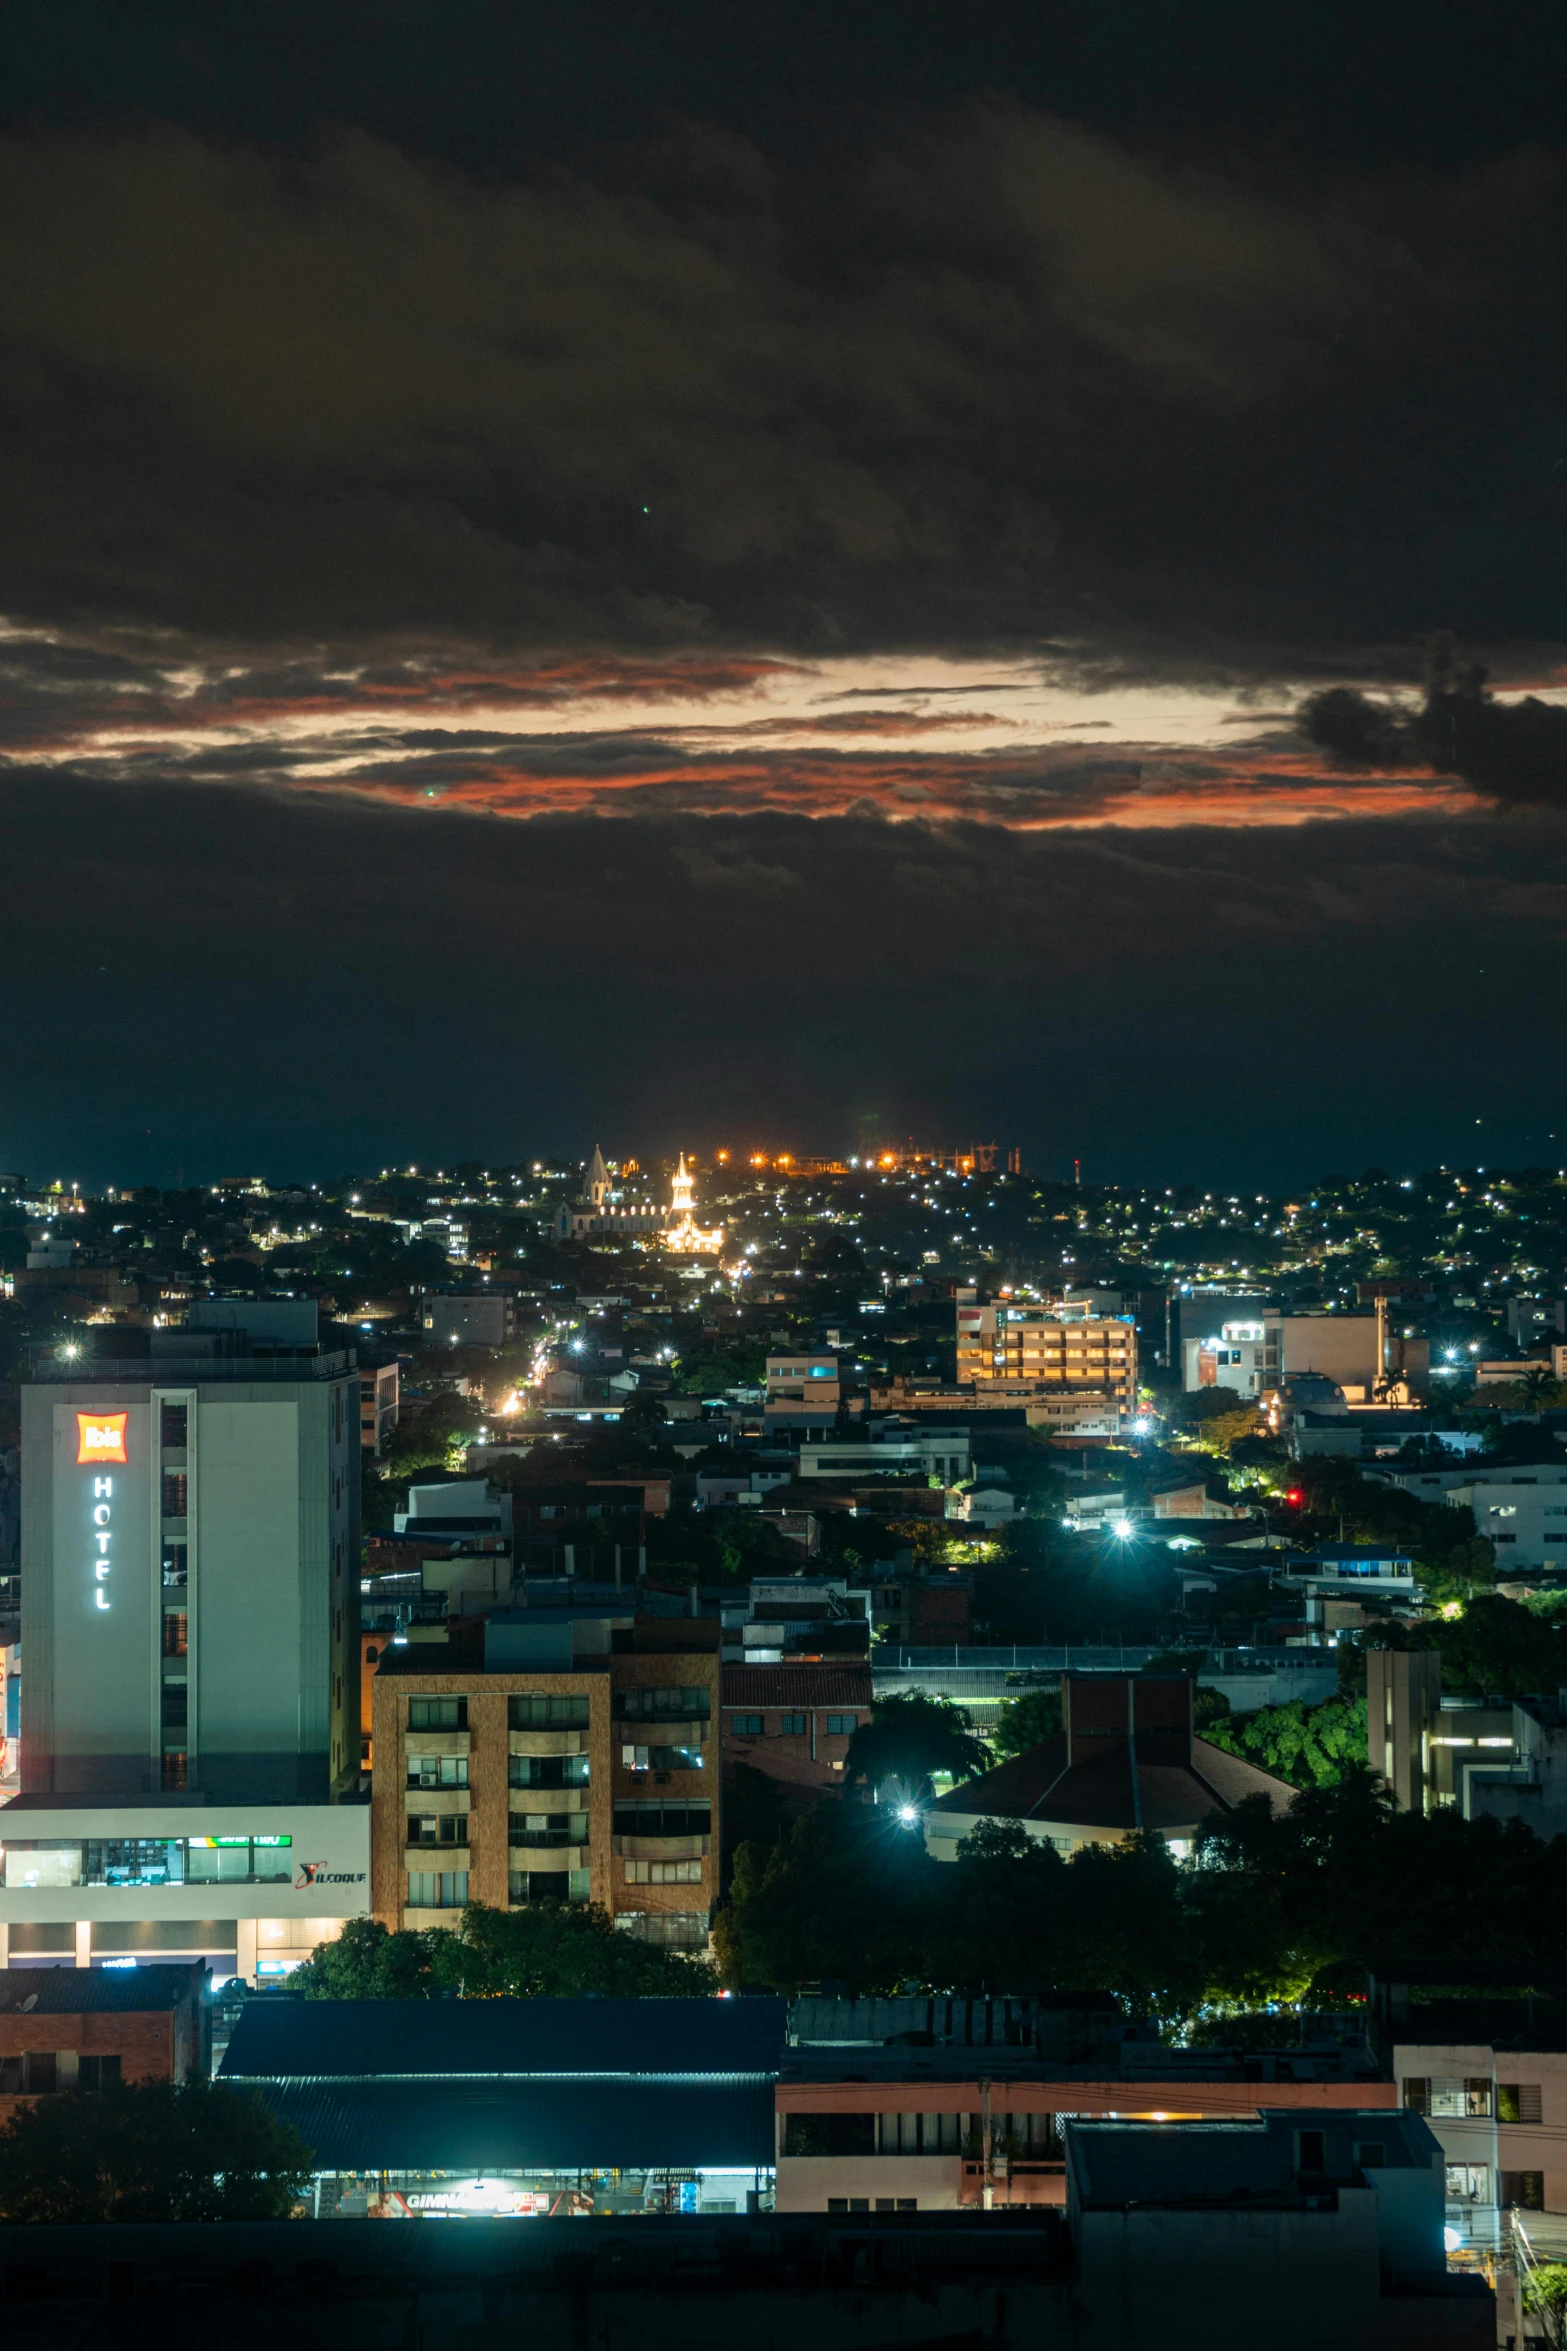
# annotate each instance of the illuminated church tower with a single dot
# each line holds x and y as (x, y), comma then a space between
(683, 1234)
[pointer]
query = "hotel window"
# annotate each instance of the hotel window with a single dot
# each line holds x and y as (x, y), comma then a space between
(437, 1889)
(174, 1432)
(437, 1714)
(176, 1493)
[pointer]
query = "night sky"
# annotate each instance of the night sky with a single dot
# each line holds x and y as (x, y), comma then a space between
(679, 574)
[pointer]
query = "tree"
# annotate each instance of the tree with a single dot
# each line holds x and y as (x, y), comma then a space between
(908, 1739)
(551, 1949)
(150, 2151)
(1221, 1430)
(1027, 1721)
(1545, 2296)
(1310, 1746)
(642, 1411)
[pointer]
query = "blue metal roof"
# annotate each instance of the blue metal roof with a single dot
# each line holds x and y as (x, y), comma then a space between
(512, 2126)
(279, 2039)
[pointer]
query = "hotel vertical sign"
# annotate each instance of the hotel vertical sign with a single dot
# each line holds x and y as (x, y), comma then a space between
(100, 1445)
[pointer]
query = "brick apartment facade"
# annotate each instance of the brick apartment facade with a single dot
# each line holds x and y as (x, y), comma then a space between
(67, 2028)
(793, 1722)
(519, 1784)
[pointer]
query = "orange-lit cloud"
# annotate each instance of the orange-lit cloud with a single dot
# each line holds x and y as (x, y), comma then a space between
(1011, 743)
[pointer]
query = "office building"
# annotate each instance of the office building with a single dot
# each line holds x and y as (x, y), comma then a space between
(552, 1754)
(1254, 1350)
(1000, 1345)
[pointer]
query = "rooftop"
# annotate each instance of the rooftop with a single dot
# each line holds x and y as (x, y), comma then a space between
(1126, 1788)
(74, 1991)
(1236, 2163)
(405, 2041)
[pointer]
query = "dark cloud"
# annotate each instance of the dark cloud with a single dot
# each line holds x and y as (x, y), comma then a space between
(992, 379)
(1515, 752)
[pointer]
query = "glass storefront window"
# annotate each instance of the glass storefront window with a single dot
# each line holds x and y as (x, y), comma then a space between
(147, 1861)
(43, 1863)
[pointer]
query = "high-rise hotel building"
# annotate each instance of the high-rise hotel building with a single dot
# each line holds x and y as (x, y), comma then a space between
(190, 1646)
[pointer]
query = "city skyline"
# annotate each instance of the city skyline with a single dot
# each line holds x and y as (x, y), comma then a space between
(781, 575)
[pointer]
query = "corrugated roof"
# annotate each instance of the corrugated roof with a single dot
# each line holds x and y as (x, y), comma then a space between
(441, 2126)
(796, 1685)
(321, 2039)
(72, 1991)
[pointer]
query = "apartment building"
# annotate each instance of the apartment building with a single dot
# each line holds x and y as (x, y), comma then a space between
(1000, 1344)
(794, 1722)
(1485, 2061)
(543, 1756)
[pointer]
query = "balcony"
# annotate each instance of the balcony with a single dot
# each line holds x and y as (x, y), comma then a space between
(427, 1801)
(416, 1743)
(547, 1743)
(662, 1848)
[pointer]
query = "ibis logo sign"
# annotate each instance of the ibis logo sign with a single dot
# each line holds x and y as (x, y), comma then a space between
(100, 1436)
